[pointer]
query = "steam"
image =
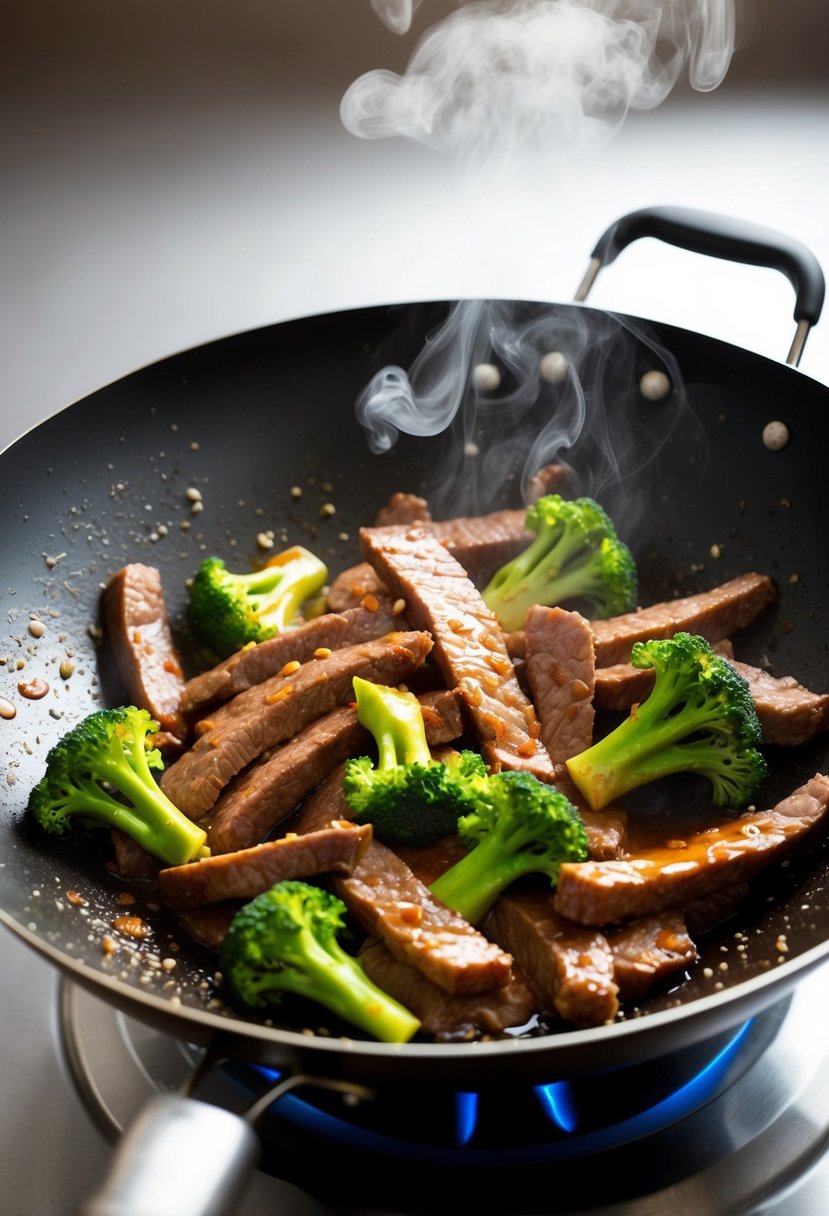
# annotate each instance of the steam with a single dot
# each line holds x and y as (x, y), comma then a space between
(591, 417)
(500, 75)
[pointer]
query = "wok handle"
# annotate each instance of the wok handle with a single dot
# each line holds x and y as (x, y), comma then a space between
(180, 1157)
(719, 236)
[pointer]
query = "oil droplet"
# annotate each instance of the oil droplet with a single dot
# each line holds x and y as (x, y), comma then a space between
(7, 709)
(33, 689)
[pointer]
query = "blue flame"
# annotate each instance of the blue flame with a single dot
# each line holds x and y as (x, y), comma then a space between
(557, 1100)
(466, 1117)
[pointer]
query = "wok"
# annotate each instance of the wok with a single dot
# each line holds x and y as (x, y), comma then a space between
(245, 419)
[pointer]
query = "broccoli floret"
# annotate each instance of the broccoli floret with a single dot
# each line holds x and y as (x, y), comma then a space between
(105, 759)
(409, 798)
(699, 717)
(285, 940)
(228, 610)
(576, 556)
(521, 826)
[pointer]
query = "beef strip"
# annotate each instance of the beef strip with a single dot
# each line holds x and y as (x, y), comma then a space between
(671, 873)
(131, 860)
(649, 951)
(138, 629)
(403, 508)
(249, 872)
(385, 898)
(441, 1014)
(273, 711)
(789, 713)
(606, 830)
(713, 614)
(469, 648)
(255, 663)
(208, 925)
(569, 968)
(560, 671)
(359, 587)
(259, 798)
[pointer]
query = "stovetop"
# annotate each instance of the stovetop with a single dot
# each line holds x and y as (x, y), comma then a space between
(772, 1112)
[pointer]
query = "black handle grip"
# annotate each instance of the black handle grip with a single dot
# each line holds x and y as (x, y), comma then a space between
(722, 237)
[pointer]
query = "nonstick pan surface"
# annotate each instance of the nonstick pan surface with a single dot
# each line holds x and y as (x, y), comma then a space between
(247, 419)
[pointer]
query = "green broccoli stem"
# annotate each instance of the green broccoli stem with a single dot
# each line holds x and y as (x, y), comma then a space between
(646, 746)
(288, 584)
(156, 823)
(330, 976)
(534, 576)
(474, 883)
(395, 719)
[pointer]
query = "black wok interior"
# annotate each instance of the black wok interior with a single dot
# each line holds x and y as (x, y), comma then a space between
(246, 419)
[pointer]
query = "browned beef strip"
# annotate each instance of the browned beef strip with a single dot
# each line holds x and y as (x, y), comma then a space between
(256, 663)
(138, 628)
(550, 479)
(671, 873)
(649, 951)
(606, 830)
(385, 898)
(390, 902)
(403, 508)
(483, 543)
(131, 860)
(789, 713)
(249, 872)
(560, 671)
(209, 925)
(359, 587)
(269, 789)
(273, 711)
(714, 615)
(469, 647)
(442, 1014)
(569, 968)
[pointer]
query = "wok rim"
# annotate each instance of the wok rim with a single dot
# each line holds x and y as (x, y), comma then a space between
(149, 1004)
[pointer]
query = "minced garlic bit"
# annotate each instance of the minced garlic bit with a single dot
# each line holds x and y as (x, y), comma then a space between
(264, 541)
(328, 509)
(37, 628)
(322, 652)
(486, 377)
(193, 494)
(397, 607)
(552, 367)
(775, 435)
(654, 385)
(715, 551)
(296, 491)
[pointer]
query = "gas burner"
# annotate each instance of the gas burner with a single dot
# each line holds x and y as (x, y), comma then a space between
(725, 1125)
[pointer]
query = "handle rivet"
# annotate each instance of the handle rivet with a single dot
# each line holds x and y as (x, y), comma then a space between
(654, 385)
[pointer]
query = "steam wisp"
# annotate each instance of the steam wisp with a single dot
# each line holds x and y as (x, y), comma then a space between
(498, 77)
(568, 394)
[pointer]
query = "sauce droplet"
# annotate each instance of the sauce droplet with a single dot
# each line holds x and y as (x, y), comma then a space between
(7, 709)
(33, 689)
